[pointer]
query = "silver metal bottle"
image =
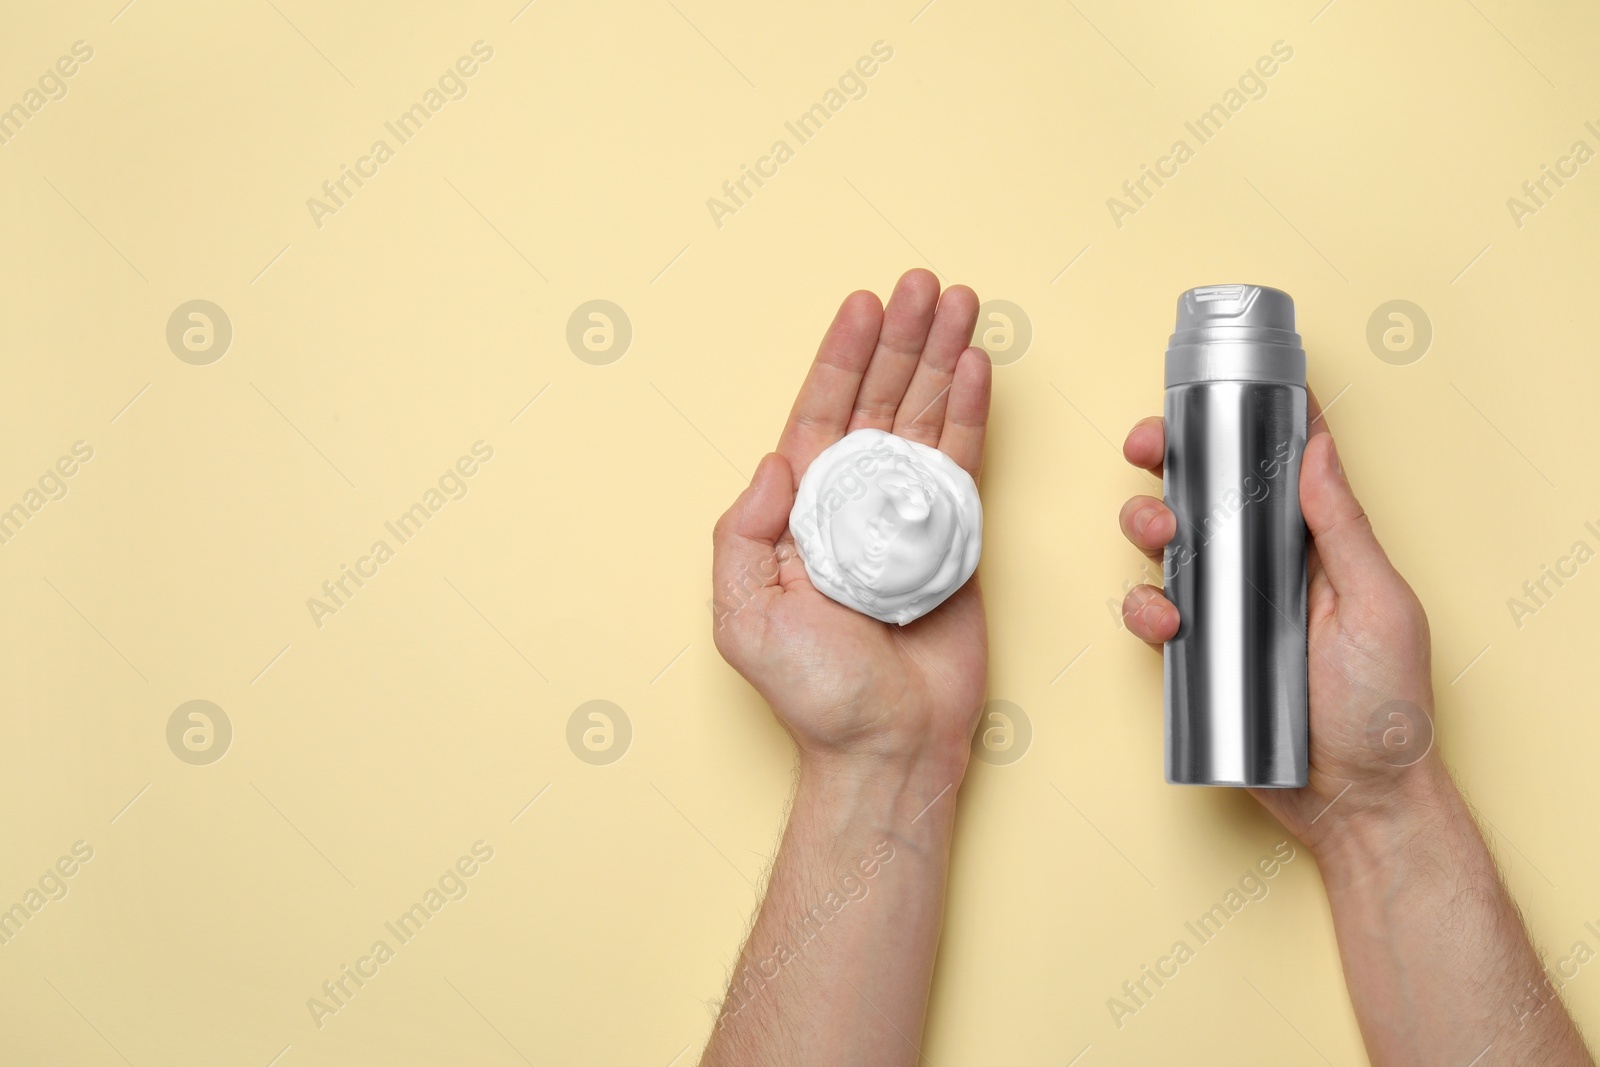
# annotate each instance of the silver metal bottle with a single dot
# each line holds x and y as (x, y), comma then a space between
(1235, 674)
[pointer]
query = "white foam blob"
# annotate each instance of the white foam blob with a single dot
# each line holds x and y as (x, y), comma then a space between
(887, 526)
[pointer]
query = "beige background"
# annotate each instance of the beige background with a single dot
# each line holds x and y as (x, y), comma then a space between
(368, 354)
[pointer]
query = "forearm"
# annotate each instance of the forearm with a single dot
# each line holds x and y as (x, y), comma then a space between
(837, 967)
(1439, 966)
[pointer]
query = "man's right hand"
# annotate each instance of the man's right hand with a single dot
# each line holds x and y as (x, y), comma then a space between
(1440, 969)
(1371, 690)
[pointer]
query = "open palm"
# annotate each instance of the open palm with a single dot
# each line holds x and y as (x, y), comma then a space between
(841, 681)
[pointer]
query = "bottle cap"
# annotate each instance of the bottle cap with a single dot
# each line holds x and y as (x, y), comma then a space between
(1235, 333)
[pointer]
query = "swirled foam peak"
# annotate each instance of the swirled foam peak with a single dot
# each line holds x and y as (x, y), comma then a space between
(887, 526)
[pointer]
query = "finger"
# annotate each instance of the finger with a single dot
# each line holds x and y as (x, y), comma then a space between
(966, 419)
(1146, 445)
(1149, 615)
(1348, 550)
(1149, 524)
(821, 411)
(921, 414)
(744, 556)
(906, 322)
(1315, 421)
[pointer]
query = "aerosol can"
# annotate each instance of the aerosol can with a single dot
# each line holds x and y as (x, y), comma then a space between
(1234, 676)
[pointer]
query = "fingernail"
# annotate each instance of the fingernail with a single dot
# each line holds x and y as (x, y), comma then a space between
(1141, 520)
(1333, 451)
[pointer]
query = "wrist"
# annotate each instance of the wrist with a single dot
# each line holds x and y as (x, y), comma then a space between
(1383, 826)
(856, 796)
(922, 757)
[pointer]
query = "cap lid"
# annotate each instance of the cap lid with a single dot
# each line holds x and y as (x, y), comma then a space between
(1235, 333)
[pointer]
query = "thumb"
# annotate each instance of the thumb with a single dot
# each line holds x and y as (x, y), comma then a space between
(1350, 554)
(744, 552)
